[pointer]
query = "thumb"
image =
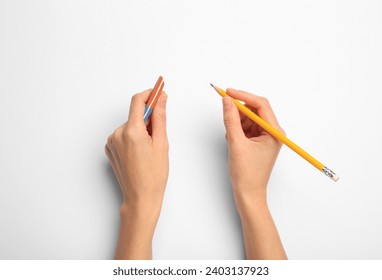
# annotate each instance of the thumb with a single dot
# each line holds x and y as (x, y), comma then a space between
(232, 121)
(158, 120)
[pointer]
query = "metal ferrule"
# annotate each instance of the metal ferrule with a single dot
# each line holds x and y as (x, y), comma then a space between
(329, 173)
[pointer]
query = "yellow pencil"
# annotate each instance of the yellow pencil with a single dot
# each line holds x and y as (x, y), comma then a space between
(279, 136)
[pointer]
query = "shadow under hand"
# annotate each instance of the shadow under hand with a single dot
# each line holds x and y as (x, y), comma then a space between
(116, 190)
(116, 194)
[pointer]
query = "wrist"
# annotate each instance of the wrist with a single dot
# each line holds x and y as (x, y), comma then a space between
(140, 212)
(138, 223)
(252, 213)
(250, 201)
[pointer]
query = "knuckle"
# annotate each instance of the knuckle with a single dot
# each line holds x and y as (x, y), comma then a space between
(264, 100)
(107, 151)
(117, 135)
(114, 138)
(110, 139)
(130, 133)
(229, 121)
(135, 96)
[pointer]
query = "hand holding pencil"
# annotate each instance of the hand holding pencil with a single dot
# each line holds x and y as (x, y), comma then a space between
(138, 153)
(252, 153)
(252, 150)
(277, 134)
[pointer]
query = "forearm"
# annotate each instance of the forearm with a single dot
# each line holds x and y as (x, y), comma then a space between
(137, 226)
(261, 239)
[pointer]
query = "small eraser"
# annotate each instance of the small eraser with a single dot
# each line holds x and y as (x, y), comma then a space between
(335, 178)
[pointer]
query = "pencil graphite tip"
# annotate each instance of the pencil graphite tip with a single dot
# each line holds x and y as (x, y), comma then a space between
(211, 85)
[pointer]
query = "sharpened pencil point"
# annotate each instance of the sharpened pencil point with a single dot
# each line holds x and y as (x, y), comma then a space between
(211, 85)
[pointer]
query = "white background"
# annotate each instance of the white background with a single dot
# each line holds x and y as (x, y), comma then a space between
(69, 68)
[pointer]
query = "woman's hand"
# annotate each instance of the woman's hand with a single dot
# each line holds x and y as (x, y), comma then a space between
(139, 157)
(252, 153)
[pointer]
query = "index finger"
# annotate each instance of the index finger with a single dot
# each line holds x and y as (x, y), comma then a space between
(261, 104)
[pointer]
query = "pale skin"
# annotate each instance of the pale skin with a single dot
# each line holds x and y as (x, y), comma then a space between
(138, 153)
(252, 153)
(139, 157)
